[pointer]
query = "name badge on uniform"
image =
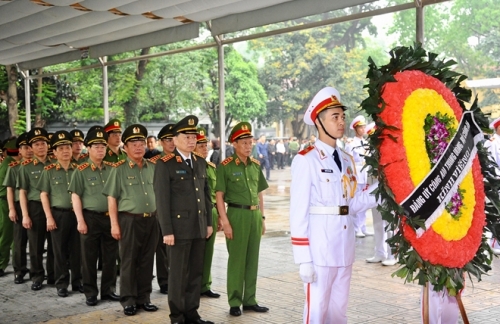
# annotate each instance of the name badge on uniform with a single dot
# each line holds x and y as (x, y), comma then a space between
(56, 178)
(92, 179)
(130, 177)
(181, 172)
(326, 170)
(36, 172)
(237, 173)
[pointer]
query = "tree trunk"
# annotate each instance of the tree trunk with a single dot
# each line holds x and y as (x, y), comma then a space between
(130, 107)
(39, 121)
(12, 97)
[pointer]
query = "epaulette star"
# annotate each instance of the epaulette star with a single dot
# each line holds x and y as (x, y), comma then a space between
(117, 164)
(28, 161)
(254, 160)
(14, 163)
(50, 166)
(167, 157)
(212, 164)
(108, 163)
(307, 150)
(155, 158)
(198, 154)
(83, 166)
(178, 159)
(83, 156)
(226, 161)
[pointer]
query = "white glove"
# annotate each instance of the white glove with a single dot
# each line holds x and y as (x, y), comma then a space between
(307, 273)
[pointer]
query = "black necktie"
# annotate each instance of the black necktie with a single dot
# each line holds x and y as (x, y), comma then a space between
(337, 159)
(188, 161)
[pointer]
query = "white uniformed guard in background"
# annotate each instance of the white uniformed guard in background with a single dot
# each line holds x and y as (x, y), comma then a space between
(324, 197)
(357, 149)
(493, 146)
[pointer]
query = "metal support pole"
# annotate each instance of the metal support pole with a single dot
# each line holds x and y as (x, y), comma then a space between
(420, 21)
(105, 95)
(222, 108)
(27, 100)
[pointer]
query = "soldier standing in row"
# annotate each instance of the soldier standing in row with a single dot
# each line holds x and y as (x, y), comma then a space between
(34, 219)
(77, 146)
(19, 258)
(240, 183)
(91, 209)
(61, 220)
(132, 209)
(184, 213)
(114, 153)
(166, 138)
(202, 151)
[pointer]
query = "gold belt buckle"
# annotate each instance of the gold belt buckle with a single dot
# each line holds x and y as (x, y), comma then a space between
(344, 210)
(146, 215)
(253, 207)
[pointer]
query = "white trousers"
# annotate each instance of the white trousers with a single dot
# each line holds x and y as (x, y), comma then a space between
(382, 249)
(327, 297)
(443, 309)
(360, 222)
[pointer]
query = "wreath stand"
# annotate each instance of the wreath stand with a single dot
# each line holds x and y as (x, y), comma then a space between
(425, 308)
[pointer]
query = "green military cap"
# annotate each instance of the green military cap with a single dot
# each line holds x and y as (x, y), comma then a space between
(37, 134)
(201, 136)
(76, 135)
(166, 131)
(96, 136)
(60, 138)
(241, 130)
(187, 125)
(95, 127)
(114, 125)
(2, 144)
(135, 132)
(10, 147)
(22, 140)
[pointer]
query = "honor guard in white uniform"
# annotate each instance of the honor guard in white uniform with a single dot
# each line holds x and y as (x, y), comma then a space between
(357, 149)
(382, 249)
(324, 197)
(493, 146)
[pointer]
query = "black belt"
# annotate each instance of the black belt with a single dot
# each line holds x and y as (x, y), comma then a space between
(96, 213)
(253, 207)
(140, 215)
(62, 209)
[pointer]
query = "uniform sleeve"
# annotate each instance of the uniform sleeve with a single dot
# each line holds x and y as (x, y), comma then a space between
(220, 185)
(263, 185)
(300, 195)
(161, 185)
(4, 167)
(113, 184)
(363, 199)
(44, 182)
(23, 181)
(208, 203)
(10, 178)
(76, 183)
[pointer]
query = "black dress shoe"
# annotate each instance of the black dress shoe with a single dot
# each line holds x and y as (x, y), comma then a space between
(18, 279)
(235, 311)
(36, 286)
(62, 292)
(129, 310)
(112, 296)
(210, 293)
(91, 301)
(78, 288)
(164, 289)
(199, 321)
(148, 307)
(256, 308)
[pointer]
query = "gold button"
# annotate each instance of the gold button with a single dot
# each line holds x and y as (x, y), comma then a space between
(178, 216)
(198, 200)
(196, 189)
(345, 227)
(199, 211)
(343, 196)
(248, 179)
(143, 182)
(194, 178)
(327, 180)
(147, 204)
(93, 184)
(145, 193)
(182, 178)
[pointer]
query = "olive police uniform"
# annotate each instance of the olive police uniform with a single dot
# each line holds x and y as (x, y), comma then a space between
(241, 185)
(206, 280)
(132, 187)
(19, 257)
(161, 248)
(184, 205)
(6, 225)
(88, 182)
(324, 196)
(28, 177)
(54, 181)
(112, 126)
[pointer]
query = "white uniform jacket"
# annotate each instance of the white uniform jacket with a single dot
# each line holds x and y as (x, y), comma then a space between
(357, 150)
(493, 146)
(325, 240)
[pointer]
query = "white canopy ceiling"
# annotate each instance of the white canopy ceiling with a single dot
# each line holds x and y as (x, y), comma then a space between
(36, 33)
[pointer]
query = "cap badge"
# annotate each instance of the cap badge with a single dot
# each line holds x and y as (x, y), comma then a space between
(116, 124)
(136, 130)
(191, 122)
(202, 132)
(77, 133)
(244, 127)
(99, 134)
(37, 132)
(61, 136)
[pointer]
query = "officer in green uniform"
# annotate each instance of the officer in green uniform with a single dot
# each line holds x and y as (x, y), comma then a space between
(240, 183)
(184, 213)
(202, 151)
(132, 209)
(91, 209)
(34, 219)
(6, 226)
(19, 259)
(77, 146)
(61, 220)
(114, 153)
(166, 138)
